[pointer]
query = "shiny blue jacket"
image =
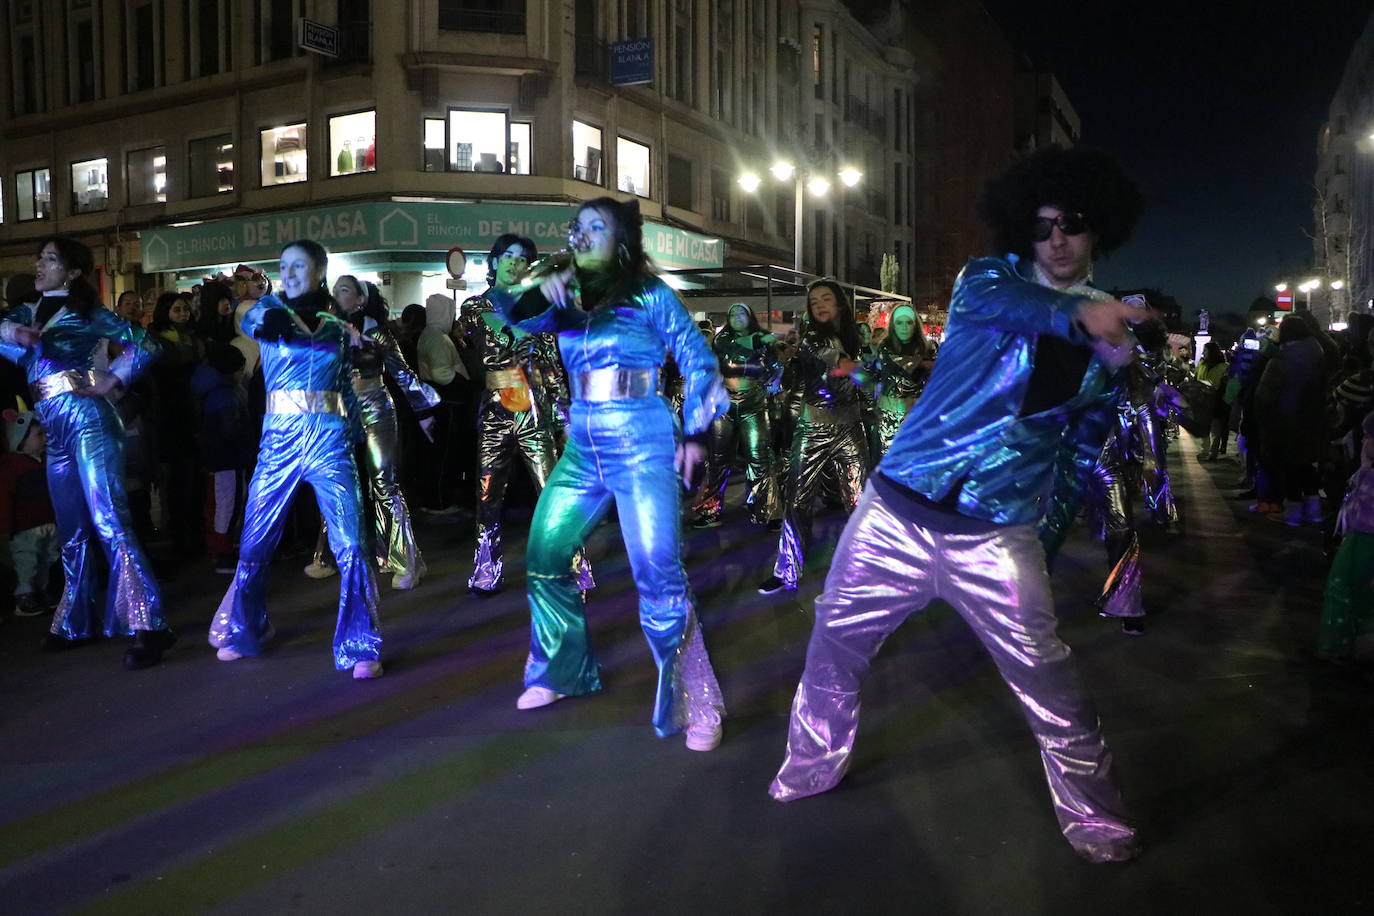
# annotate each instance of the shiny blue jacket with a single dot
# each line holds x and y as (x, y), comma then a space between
(635, 333)
(306, 360)
(69, 342)
(965, 433)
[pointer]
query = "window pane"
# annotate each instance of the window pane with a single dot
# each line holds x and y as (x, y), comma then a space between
(211, 163)
(148, 175)
(679, 182)
(23, 195)
(632, 167)
(90, 185)
(478, 140)
(434, 144)
(586, 152)
(521, 148)
(283, 154)
(353, 143)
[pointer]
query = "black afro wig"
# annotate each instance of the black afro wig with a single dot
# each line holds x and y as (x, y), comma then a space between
(1086, 181)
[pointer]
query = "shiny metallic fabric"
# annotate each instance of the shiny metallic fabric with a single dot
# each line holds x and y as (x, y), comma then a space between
(622, 451)
(291, 401)
(613, 384)
(314, 448)
(85, 468)
(828, 460)
(886, 569)
(750, 372)
(900, 379)
(504, 435)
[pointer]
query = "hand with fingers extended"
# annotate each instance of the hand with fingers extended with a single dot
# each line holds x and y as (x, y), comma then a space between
(1105, 320)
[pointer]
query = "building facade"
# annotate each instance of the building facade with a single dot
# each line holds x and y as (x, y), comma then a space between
(179, 138)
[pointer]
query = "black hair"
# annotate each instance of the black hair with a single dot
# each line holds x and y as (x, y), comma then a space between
(1292, 328)
(317, 254)
(212, 324)
(632, 266)
(504, 242)
(413, 318)
(1211, 354)
(844, 326)
(82, 297)
(162, 312)
(1079, 180)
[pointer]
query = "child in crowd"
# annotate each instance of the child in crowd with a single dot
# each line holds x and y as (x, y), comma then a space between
(27, 523)
(1347, 624)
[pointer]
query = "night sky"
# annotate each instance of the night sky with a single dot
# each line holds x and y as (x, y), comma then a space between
(1214, 108)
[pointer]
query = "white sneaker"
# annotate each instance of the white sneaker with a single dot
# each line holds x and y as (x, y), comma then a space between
(535, 697)
(705, 736)
(363, 671)
(226, 654)
(317, 570)
(405, 581)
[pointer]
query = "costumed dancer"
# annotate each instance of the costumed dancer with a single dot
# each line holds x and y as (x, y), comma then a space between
(904, 361)
(1148, 415)
(1028, 377)
(615, 321)
(515, 416)
(752, 374)
(393, 539)
(55, 343)
(829, 457)
(308, 433)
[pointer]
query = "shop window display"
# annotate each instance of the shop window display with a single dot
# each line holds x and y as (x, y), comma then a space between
(478, 140)
(587, 152)
(148, 175)
(521, 148)
(283, 154)
(33, 194)
(353, 143)
(434, 144)
(632, 167)
(211, 165)
(90, 185)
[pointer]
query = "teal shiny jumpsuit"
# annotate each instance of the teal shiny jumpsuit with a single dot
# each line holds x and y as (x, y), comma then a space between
(622, 440)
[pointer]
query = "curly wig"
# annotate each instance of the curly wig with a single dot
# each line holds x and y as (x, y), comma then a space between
(1087, 181)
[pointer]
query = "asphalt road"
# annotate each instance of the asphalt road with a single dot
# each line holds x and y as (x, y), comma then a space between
(278, 785)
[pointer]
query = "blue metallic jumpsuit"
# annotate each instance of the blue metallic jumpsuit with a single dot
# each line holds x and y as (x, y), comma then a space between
(950, 514)
(308, 433)
(86, 466)
(622, 439)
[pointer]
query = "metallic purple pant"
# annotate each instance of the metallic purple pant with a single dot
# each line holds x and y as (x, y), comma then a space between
(887, 568)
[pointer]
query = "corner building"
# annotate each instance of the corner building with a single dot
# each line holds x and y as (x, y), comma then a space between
(178, 138)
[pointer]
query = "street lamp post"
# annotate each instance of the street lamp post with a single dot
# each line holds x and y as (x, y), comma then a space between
(818, 184)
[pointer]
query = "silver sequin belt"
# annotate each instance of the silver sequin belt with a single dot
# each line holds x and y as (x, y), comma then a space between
(613, 384)
(296, 401)
(505, 378)
(50, 386)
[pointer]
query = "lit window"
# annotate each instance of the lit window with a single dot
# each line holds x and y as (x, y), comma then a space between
(90, 185)
(283, 154)
(478, 140)
(148, 175)
(210, 162)
(33, 194)
(434, 144)
(521, 148)
(586, 152)
(353, 143)
(632, 167)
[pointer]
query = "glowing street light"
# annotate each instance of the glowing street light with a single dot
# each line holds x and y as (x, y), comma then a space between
(750, 182)
(850, 176)
(1281, 288)
(818, 185)
(1338, 284)
(782, 170)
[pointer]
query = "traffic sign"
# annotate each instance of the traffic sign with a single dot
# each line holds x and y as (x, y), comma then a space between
(1284, 300)
(457, 262)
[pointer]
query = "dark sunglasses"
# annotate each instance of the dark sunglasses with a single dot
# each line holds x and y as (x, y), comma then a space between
(1069, 224)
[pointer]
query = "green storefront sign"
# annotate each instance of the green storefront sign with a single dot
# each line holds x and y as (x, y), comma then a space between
(434, 226)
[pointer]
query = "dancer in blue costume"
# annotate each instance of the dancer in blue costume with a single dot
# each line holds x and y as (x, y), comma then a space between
(312, 423)
(55, 343)
(1021, 399)
(615, 322)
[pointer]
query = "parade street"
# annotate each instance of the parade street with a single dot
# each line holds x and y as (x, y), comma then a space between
(279, 785)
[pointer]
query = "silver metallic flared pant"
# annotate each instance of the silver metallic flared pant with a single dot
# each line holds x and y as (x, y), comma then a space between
(886, 569)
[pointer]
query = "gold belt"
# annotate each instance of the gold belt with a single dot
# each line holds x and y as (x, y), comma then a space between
(50, 386)
(363, 383)
(505, 378)
(613, 384)
(296, 401)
